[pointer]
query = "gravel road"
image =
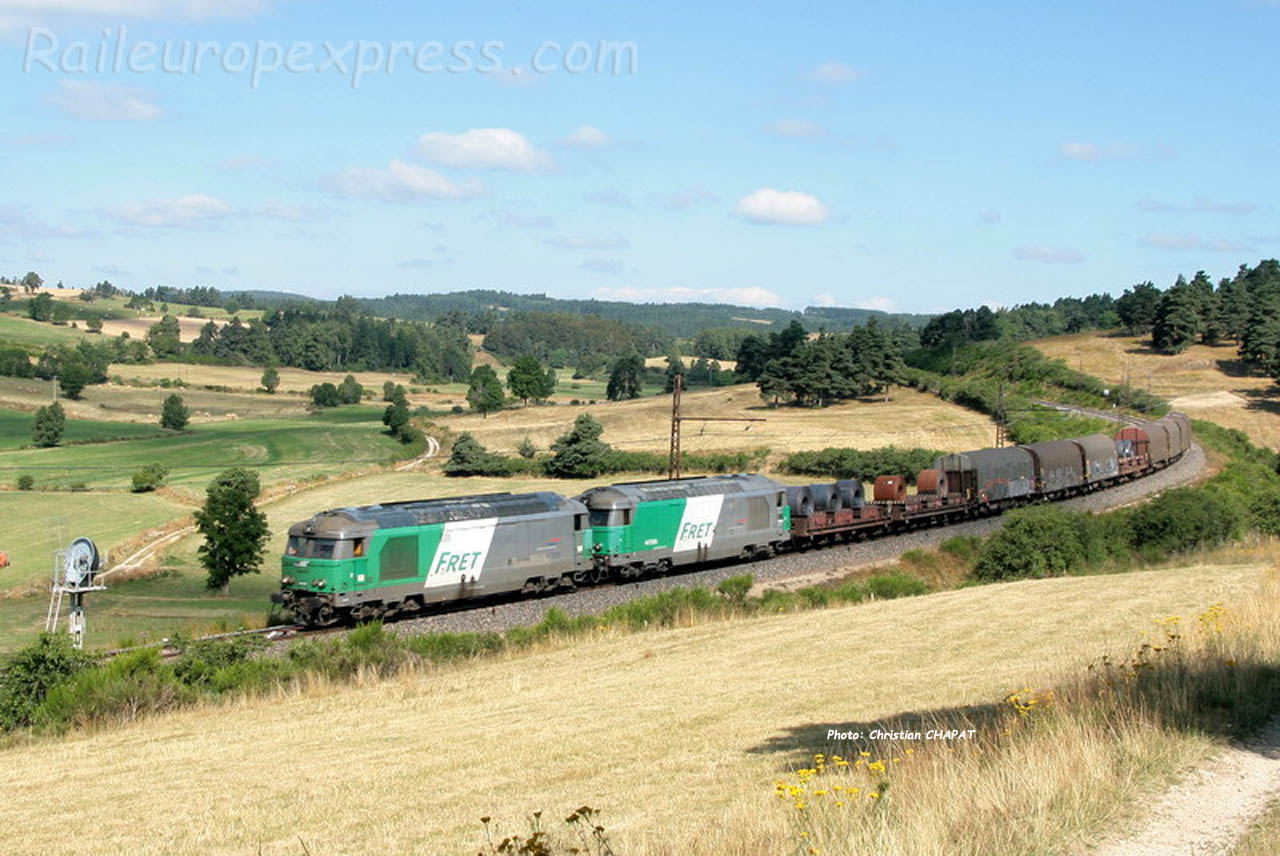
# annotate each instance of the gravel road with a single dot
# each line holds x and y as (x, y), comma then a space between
(793, 568)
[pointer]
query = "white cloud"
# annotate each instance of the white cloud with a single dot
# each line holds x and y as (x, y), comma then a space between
(883, 304)
(835, 73)
(292, 213)
(488, 148)
(600, 265)
(679, 200)
(586, 242)
(93, 101)
(1194, 242)
(824, 299)
(1048, 255)
(792, 207)
(179, 211)
(748, 296)
(1080, 151)
(795, 128)
(588, 137)
(400, 182)
(609, 196)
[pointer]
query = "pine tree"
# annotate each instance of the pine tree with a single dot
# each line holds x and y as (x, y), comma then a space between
(270, 380)
(49, 425)
(174, 414)
(625, 379)
(1177, 322)
(485, 392)
(580, 454)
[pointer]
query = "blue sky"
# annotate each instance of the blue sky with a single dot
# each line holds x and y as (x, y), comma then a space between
(905, 156)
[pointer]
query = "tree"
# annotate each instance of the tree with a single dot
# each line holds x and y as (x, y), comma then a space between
(469, 458)
(580, 454)
(1137, 307)
(624, 380)
(389, 390)
(94, 324)
(41, 308)
(675, 366)
(73, 377)
(396, 416)
(350, 391)
(164, 337)
(485, 392)
(528, 382)
(234, 529)
(49, 425)
(325, 395)
(174, 414)
(270, 380)
(31, 281)
(1177, 321)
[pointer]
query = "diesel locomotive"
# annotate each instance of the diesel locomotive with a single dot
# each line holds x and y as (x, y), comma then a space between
(366, 562)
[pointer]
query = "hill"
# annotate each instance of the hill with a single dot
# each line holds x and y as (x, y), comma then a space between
(677, 736)
(1203, 381)
(679, 320)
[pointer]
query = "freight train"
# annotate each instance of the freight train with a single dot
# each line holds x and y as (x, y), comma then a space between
(366, 562)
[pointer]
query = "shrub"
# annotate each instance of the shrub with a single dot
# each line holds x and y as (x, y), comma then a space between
(132, 685)
(174, 414)
(886, 586)
(1184, 519)
(325, 395)
(149, 477)
(49, 424)
(863, 465)
(1041, 541)
(31, 672)
(736, 588)
(26, 482)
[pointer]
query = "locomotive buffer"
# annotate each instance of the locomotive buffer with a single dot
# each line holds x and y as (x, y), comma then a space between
(674, 461)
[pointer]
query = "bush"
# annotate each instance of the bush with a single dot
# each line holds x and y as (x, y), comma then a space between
(49, 424)
(149, 478)
(31, 672)
(325, 395)
(736, 588)
(130, 686)
(26, 482)
(1042, 541)
(1184, 519)
(174, 414)
(863, 465)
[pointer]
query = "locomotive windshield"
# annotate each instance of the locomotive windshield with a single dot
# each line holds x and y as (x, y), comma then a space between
(323, 548)
(616, 517)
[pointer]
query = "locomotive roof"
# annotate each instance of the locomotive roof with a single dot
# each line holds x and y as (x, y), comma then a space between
(420, 512)
(658, 489)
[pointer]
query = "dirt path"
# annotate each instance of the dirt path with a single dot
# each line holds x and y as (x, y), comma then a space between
(1210, 810)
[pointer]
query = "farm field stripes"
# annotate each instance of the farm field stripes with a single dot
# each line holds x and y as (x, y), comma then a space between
(739, 728)
(36, 524)
(15, 430)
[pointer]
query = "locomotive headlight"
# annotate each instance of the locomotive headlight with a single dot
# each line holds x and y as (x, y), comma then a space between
(287, 581)
(319, 583)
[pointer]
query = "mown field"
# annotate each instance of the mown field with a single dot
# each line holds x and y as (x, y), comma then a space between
(33, 334)
(700, 723)
(36, 524)
(114, 402)
(1203, 382)
(280, 450)
(15, 430)
(910, 418)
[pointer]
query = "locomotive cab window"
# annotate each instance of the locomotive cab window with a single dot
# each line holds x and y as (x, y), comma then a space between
(616, 517)
(319, 548)
(579, 522)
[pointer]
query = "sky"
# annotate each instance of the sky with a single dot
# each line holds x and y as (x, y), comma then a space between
(903, 156)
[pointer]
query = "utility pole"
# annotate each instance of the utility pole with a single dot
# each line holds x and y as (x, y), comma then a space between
(674, 462)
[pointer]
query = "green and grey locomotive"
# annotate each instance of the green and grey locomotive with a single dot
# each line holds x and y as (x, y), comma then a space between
(653, 526)
(369, 561)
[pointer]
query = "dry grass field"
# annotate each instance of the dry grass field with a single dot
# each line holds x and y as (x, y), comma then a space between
(911, 418)
(676, 736)
(118, 403)
(1203, 382)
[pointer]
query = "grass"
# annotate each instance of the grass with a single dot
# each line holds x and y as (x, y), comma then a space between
(15, 430)
(680, 764)
(1263, 837)
(16, 330)
(281, 450)
(910, 419)
(133, 404)
(36, 524)
(1204, 382)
